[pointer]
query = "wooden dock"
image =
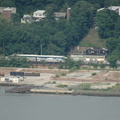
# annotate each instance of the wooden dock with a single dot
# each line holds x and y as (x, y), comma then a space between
(20, 89)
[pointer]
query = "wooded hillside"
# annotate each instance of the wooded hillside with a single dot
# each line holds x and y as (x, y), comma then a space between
(58, 37)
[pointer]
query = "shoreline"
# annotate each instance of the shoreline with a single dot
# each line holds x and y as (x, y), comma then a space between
(63, 91)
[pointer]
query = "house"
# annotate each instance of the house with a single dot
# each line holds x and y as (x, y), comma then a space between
(7, 11)
(39, 15)
(79, 50)
(26, 19)
(96, 51)
(89, 54)
(89, 51)
(59, 15)
(114, 8)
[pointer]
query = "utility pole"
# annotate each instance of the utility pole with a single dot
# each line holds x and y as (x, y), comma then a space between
(3, 49)
(41, 48)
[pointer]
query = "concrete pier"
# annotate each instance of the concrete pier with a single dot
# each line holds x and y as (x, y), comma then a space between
(51, 91)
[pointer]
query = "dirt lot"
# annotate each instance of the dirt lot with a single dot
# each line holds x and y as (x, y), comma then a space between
(64, 77)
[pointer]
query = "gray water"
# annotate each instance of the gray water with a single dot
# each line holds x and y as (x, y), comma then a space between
(57, 107)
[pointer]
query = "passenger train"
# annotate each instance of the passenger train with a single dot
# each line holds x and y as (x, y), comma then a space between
(39, 58)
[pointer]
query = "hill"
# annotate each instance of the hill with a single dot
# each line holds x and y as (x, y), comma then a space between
(92, 40)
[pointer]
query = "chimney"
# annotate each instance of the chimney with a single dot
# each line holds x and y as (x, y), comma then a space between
(68, 13)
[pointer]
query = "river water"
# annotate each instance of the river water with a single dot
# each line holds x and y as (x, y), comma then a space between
(57, 107)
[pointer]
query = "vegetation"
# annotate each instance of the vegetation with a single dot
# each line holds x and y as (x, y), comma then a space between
(58, 37)
(86, 87)
(93, 74)
(62, 86)
(56, 76)
(13, 62)
(63, 74)
(108, 25)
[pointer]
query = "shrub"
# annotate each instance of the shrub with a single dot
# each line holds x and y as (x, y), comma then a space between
(73, 69)
(56, 75)
(60, 66)
(63, 74)
(51, 67)
(54, 82)
(94, 74)
(62, 86)
(94, 65)
(102, 65)
(85, 86)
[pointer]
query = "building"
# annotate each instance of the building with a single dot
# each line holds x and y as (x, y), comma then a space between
(89, 54)
(39, 15)
(59, 15)
(26, 19)
(89, 51)
(89, 58)
(96, 51)
(7, 11)
(114, 8)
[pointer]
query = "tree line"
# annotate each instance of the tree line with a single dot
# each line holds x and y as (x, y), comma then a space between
(58, 37)
(108, 23)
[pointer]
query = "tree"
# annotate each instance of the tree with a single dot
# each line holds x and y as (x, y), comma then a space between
(117, 28)
(113, 59)
(81, 20)
(105, 21)
(112, 43)
(49, 13)
(108, 3)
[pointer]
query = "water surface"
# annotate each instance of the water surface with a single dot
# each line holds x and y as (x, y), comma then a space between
(57, 107)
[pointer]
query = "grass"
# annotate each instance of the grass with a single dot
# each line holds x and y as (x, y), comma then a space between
(62, 86)
(92, 40)
(86, 87)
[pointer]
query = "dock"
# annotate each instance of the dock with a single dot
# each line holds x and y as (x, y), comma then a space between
(20, 89)
(51, 91)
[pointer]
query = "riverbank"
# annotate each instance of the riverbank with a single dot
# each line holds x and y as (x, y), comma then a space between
(22, 88)
(61, 81)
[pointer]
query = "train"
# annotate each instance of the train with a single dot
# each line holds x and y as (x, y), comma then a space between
(39, 58)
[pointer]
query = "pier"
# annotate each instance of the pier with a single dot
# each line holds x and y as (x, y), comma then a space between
(20, 89)
(51, 91)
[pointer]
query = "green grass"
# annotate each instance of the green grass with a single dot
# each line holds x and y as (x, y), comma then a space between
(92, 40)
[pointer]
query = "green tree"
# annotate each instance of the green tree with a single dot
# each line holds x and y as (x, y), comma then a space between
(105, 21)
(113, 59)
(117, 28)
(108, 3)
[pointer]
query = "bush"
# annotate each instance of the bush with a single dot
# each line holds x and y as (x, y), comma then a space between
(63, 74)
(102, 65)
(60, 66)
(62, 86)
(94, 65)
(51, 67)
(54, 82)
(73, 69)
(94, 74)
(85, 86)
(56, 76)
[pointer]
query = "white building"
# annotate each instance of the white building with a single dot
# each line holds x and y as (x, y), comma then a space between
(114, 8)
(26, 19)
(39, 15)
